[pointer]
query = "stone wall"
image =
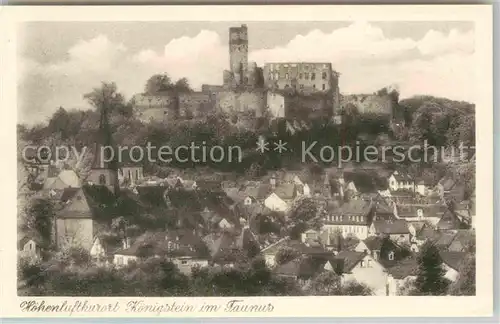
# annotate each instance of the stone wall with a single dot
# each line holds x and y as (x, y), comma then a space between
(369, 103)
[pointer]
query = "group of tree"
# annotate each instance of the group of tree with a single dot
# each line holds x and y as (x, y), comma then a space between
(75, 127)
(430, 276)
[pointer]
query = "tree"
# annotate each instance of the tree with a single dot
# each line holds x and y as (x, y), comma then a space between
(182, 86)
(107, 98)
(466, 281)
(158, 83)
(306, 212)
(430, 274)
(354, 288)
(161, 83)
(39, 217)
(286, 254)
(327, 283)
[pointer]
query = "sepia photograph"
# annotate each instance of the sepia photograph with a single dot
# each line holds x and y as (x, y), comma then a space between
(246, 159)
(161, 162)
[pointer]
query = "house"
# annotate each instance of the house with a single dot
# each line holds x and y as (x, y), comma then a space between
(102, 249)
(430, 213)
(450, 189)
(400, 180)
(80, 209)
(29, 247)
(385, 251)
(397, 230)
(424, 187)
(301, 270)
(449, 221)
(444, 240)
(185, 264)
(172, 245)
(451, 263)
(276, 203)
(146, 245)
(270, 251)
(130, 173)
(463, 241)
(363, 268)
(311, 250)
(401, 275)
(257, 191)
(351, 218)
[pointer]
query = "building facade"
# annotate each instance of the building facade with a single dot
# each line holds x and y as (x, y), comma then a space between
(306, 77)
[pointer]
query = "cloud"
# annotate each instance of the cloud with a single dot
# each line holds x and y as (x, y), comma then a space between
(439, 64)
(436, 43)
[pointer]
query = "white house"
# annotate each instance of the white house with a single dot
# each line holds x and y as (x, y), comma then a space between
(352, 218)
(124, 259)
(97, 250)
(275, 203)
(29, 248)
(451, 263)
(363, 268)
(399, 180)
(269, 252)
(187, 263)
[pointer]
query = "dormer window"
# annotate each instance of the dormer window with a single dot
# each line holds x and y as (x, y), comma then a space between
(391, 256)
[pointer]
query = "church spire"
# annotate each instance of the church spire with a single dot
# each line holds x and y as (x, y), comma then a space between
(104, 172)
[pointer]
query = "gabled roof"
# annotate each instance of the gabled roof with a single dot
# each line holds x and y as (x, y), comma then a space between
(402, 176)
(452, 259)
(70, 178)
(259, 191)
(398, 226)
(445, 239)
(88, 201)
(373, 243)
(428, 233)
(301, 267)
(428, 210)
(235, 194)
(448, 222)
(355, 207)
(285, 191)
(404, 268)
(351, 259)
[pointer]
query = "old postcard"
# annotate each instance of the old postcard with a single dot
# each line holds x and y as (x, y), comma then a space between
(284, 161)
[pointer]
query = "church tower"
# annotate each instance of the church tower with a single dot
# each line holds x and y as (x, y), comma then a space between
(238, 54)
(104, 173)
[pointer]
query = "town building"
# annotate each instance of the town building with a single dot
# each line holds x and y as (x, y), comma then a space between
(352, 218)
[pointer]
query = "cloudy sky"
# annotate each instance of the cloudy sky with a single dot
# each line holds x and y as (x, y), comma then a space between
(59, 62)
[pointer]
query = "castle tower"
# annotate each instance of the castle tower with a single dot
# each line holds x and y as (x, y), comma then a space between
(238, 53)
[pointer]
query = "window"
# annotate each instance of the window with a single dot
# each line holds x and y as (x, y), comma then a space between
(391, 256)
(102, 179)
(314, 86)
(369, 264)
(313, 76)
(306, 76)
(302, 86)
(324, 75)
(119, 260)
(184, 262)
(323, 86)
(362, 264)
(300, 75)
(286, 76)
